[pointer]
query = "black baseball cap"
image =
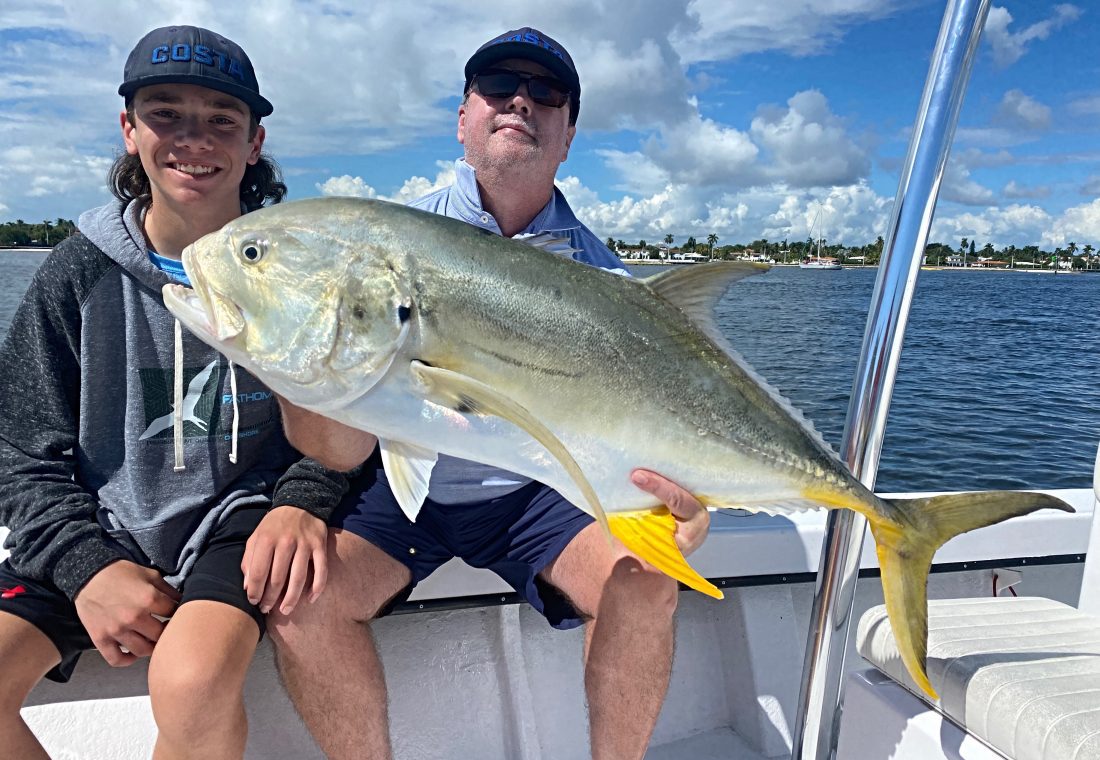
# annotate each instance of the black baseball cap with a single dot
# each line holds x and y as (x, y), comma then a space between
(193, 55)
(532, 45)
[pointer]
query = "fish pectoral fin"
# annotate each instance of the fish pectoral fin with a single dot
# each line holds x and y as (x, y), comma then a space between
(651, 534)
(409, 471)
(554, 242)
(465, 394)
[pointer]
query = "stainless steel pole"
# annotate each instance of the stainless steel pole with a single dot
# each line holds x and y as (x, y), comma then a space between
(816, 726)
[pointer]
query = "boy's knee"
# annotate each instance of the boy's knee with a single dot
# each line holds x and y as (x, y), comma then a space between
(182, 687)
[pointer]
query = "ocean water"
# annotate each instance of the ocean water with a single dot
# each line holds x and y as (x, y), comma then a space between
(998, 386)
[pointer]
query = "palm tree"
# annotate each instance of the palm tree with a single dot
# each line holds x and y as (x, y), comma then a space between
(711, 240)
(668, 245)
(610, 243)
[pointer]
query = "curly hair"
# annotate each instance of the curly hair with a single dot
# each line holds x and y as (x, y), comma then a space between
(262, 181)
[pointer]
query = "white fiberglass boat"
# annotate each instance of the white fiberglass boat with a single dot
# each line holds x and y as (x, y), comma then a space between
(818, 262)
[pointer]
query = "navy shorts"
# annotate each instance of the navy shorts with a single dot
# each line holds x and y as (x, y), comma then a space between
(216, 575)
(516, 536)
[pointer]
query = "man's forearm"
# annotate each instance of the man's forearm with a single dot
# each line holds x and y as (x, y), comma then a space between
(331, 443)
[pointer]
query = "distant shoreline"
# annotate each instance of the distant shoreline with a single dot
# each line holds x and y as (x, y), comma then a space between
(926, 267)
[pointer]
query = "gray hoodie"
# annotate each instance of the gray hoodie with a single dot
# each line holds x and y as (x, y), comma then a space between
(88, 444)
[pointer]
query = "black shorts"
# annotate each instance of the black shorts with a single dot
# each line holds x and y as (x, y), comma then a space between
(216, 576)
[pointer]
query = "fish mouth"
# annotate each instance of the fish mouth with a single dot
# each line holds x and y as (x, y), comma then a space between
(202, 306)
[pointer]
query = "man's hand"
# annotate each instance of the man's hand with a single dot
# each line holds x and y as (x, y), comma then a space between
(692, 518)
(117, 606)
(332, 443)
(278, 556)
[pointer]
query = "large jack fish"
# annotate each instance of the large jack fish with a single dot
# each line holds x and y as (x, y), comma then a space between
(440, 337)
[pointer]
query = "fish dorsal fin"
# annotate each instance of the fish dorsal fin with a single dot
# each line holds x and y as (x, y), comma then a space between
(696, 290)
(553, 241)
(465, 394)
(409, 471)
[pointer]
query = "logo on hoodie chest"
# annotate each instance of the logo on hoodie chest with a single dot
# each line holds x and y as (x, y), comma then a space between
(201, 408)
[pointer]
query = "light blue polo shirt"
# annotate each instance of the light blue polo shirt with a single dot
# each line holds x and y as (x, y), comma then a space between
(458, 481)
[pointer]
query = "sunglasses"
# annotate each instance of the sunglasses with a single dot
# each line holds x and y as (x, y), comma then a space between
(503, 83)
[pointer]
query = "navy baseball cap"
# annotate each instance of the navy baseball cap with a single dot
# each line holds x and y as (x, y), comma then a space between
(532, 45)
(192, 55)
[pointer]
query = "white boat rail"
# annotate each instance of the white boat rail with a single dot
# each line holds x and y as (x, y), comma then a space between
(816, 726)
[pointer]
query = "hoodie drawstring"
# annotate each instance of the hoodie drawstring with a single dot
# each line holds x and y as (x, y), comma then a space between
(236, 415)
(177, 393)
(177, 406)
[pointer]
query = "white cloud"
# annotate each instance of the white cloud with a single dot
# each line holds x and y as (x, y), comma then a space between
(958, 186)
(721, 29)
(1087, 106)
(803, 144)
(1021, 111)
(809, 144)
(975, 158)
(1015, 190)
(1016, 224)
(1009, 47)
(35, 177)
(346, 185)
(1079, 224)
(418, 187)
(410, 190)
(1091, 186)
(702, 152)
(637, 172)
(852, 214)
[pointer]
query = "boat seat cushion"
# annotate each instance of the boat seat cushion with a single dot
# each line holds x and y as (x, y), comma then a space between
(1022, 675)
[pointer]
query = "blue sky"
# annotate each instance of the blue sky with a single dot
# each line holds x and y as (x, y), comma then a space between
(745, 118)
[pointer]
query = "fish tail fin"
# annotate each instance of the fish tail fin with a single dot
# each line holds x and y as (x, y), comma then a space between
(905, 549)
(651, 534)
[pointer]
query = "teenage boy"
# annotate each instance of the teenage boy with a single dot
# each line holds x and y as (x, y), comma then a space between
(134, 460)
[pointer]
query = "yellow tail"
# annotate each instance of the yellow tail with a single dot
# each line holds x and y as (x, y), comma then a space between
(905, 550)
(650, 533)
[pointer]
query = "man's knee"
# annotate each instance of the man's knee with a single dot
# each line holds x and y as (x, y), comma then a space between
(646, 589)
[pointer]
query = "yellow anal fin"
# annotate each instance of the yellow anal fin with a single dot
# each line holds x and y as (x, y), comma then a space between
(651, 534)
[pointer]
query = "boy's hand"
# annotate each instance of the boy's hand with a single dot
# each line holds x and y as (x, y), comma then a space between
(117, 606)
(692, 518)
(279, 554)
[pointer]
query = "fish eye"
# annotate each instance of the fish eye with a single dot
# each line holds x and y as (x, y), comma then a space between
(253, 251)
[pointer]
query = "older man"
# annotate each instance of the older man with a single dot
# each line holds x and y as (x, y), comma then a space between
(516, 123)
